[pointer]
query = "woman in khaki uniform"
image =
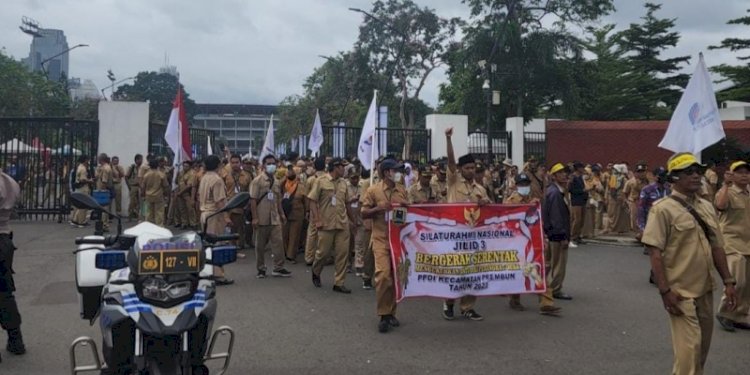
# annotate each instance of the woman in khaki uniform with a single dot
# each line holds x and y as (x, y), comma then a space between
(682, 235)
(295, 194)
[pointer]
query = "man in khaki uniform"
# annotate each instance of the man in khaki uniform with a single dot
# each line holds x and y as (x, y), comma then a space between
(186, 216)
(118, 174)
(733, 203)
(82, 184)
(154, 188)
(440, 184)
(104, 182)
(331, 215)
(250, 167)
(462, 188)
(142, 170)
(522, 195)
(632, 192)
(311, 247)
(423, 192)
(537, 178)
(236, 181)
(357, 230)
(212, 196)
(683, 237)
(134, 206)
(711, 181)
(268, 218)
(378, 200)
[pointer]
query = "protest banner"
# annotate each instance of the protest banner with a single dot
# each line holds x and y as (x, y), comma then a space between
(452, 250)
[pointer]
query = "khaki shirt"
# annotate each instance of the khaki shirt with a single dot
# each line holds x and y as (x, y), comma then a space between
(237, 182)
(154, 184)
(632, 189)
(133, 173)
(118, 172)
(364, 184)
(684, 247)
(103, 177)
(420, 194)
(82, 174)
(142, 171)
(537, 184)
(211, 191)
(441, 190)
(462, 191)
(596, 188)
(376, 195)
(355, 195)
(332, 197)
(267, 193)
(186, 181)
(734, 221)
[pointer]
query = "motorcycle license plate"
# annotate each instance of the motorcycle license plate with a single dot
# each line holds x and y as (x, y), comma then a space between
(169, 261)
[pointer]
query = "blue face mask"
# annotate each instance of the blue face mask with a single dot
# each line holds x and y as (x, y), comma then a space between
(524, 190)
(271, 168)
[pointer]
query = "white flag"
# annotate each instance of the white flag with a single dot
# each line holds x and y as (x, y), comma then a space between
(268, 145)
(695, 123)
(209, 149)
(365, 151)
(316, 136)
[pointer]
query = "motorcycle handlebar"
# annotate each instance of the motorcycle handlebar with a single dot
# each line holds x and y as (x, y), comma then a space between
(106, 241)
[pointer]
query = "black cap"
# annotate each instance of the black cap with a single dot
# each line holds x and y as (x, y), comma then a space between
(522, 178)
(466, 159)
(578, 164)
(389, 164)
(641, 168)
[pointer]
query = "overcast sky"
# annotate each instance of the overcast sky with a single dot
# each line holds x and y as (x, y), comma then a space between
(259, 51)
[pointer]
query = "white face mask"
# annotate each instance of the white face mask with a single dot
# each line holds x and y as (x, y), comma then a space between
(524, 190)
(271, 168)
(397, 176)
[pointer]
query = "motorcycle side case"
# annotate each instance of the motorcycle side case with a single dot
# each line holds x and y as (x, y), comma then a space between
(89, 280)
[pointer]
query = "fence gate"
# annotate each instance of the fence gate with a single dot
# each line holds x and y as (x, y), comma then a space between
(408, 144)
(535, 144)
(39, 153)
(501, 146)
(157, 145)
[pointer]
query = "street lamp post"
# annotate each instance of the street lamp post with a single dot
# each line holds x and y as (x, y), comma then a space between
(58, 55)
(112, 87)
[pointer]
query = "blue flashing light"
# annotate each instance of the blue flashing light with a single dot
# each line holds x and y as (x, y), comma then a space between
(111, 260)
(222, 255)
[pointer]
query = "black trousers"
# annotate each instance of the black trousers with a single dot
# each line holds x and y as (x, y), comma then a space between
(10, 318)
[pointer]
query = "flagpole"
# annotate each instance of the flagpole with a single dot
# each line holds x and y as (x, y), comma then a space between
(374, 140)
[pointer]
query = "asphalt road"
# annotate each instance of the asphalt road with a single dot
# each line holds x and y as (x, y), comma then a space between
(615, 324)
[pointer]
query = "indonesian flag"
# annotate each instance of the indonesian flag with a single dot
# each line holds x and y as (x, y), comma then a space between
(177, 134)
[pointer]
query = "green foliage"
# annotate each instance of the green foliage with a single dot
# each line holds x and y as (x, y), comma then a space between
(739, 75)
(159, 89)
(536, 67)
(24, 93)
(85, 109)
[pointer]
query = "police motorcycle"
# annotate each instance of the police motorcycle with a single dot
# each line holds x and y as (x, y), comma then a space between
(154, 295)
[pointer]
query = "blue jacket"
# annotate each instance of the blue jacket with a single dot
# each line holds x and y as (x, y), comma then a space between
(555, 215)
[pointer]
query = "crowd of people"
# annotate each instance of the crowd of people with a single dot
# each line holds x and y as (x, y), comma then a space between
(328, 211)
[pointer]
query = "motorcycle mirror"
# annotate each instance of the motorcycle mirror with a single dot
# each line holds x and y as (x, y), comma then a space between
(237, 201)
(84, 201)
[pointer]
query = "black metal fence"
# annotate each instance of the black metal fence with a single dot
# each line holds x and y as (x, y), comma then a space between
(501, 148)
(535, 144)
(408, 144)
(40, 153)
(157, 145)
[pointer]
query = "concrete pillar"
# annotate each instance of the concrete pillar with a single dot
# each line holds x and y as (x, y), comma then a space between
(123, 132)
(515, 126)
(438, 124)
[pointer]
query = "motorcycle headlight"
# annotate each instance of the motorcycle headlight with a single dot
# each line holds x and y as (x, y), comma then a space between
(158, 289)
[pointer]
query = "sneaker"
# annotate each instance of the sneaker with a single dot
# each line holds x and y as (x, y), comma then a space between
(383, 325)
(472, 315)
(281, 273)
(367, 284)
(448, 311)
(393, 321)
(261, 274)
(224, 281)
(550, 310)
(572, 245)
(726, 324)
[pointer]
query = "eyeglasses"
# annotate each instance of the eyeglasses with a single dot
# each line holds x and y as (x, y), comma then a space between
(689, 171)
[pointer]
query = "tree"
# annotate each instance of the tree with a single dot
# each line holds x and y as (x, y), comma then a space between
(645, 42)
(407, 42)
(24, 93)
(85, 109)
(159, 89)
(739, 75)
(534, 66)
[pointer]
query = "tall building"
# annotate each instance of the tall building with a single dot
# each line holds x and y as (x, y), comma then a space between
(52, 42)
(83, 90)
(238, 125)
